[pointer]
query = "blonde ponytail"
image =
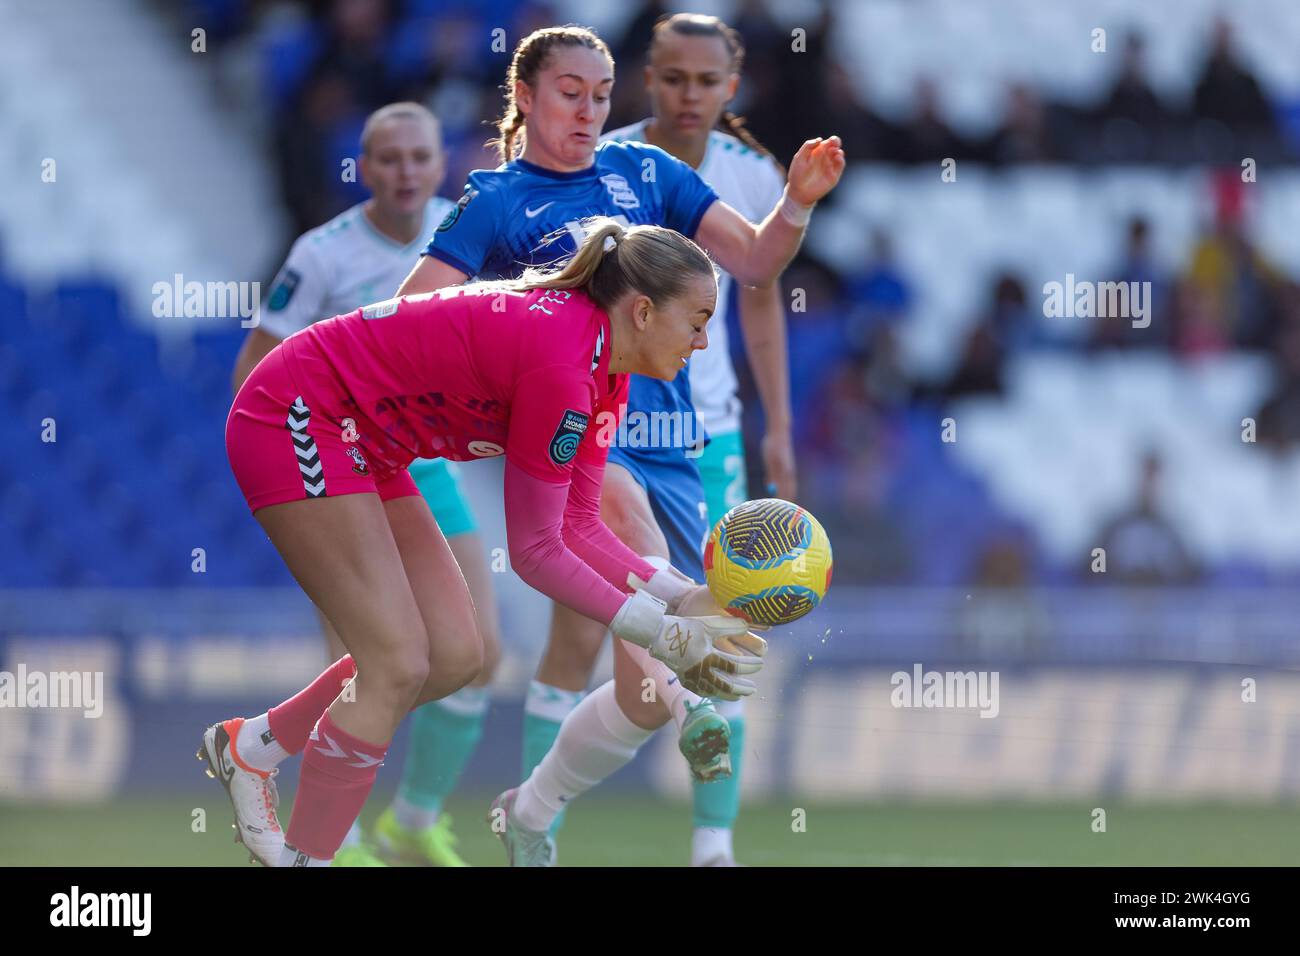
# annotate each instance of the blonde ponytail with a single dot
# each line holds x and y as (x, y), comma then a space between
(613, 261)
(603, 238)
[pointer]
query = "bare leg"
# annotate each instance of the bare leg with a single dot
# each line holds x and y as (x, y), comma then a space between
(468, 549)
(333, 643)
(454, 648)
(343, 553)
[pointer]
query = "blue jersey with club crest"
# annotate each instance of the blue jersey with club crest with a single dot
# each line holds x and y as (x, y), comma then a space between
(521, 215)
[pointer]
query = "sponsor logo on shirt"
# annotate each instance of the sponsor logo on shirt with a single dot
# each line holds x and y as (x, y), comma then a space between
(600, 347)
(456, 210)
(530, 213)
(286, 283)
(485, 449)
(564, 444)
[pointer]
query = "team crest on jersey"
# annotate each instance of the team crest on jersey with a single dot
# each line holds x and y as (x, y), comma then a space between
(600, 347)
(358, 461)
(620, 191)
(286, 283)
(564, 445)
(456, 210)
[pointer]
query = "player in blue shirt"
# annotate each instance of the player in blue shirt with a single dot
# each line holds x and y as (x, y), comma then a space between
(529, 211)
(692, 70)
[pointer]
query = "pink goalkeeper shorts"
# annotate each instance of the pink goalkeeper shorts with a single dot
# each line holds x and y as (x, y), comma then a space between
(282, 448)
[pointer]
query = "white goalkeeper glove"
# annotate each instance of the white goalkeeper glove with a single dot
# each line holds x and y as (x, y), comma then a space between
(710, 654)
(667, 584)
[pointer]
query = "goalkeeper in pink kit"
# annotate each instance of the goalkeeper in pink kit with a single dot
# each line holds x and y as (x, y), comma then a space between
(320, 436)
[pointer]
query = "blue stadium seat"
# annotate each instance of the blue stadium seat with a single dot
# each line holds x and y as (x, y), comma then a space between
(287, 57)
(221, 18)
(15, 379)
(13, 302)
(407, 55)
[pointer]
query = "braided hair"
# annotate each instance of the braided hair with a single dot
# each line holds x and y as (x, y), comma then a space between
(529, 59)
(700, 25)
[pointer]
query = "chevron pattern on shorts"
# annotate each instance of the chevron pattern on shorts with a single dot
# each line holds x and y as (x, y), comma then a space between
(304, 446)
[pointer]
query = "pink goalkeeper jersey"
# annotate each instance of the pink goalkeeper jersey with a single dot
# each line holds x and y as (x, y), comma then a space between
(466, 373)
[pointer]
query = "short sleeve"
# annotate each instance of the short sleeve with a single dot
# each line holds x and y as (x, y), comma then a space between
(298, 294)
(687, 197)
(550, 418)
(468, 233)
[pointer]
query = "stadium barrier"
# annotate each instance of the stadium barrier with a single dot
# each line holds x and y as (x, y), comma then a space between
(880, 693)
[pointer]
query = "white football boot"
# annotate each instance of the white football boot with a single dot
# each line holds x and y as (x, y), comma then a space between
(252, 793)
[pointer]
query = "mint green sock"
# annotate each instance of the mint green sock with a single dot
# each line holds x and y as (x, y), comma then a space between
(444, 734)
(717, 804)
(544, 711)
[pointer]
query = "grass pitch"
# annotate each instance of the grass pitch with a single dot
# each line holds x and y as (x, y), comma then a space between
(613, 830)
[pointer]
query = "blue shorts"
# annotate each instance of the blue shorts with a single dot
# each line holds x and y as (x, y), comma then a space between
(673, 484)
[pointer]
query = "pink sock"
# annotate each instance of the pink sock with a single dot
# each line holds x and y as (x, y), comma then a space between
(338, 771)
(293, 720)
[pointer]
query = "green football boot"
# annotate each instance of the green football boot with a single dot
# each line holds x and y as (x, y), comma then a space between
(705, 742)
(432, 846)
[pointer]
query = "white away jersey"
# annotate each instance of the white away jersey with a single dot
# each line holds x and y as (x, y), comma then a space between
(750, 183)
(340, 266)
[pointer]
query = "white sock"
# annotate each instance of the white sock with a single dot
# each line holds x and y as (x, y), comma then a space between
(469, 701)
(411, 816)
(710, 843)
(354, 835)
(256, 746)
(596, 739)
(292, 857)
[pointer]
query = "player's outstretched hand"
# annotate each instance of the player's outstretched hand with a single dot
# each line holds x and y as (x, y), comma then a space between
(712, 654)
(815, 170)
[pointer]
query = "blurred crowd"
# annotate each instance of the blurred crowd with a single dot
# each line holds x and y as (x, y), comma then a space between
(326, 63)
(1226, 296)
